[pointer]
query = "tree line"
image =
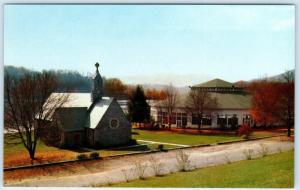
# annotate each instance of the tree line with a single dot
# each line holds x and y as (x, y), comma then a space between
(26, 107)
(73, 81)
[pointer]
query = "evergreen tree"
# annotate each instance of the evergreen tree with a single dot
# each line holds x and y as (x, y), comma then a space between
(138, 108)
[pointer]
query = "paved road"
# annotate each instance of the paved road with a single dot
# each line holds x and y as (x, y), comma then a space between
(127, 168)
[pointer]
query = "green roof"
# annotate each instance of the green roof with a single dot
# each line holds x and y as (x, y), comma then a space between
(224, 101)
(232, 101)
(215, 83)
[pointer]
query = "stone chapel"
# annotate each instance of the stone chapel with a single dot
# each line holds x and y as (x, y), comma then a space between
(91, 119)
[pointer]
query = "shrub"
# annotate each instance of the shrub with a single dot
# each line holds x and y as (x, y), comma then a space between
(264, 150)
(126, 175)
(244, 131)
(82, 157)
(94, 155)
(148, 126)
(160, 147)
(109, 180)
(227, 159)
(140, 169)
(156, 166)
(248, 153)
(183, 161)
(279, 149)
(132, 142)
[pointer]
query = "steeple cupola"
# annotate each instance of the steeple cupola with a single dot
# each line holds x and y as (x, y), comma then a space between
(97, 90)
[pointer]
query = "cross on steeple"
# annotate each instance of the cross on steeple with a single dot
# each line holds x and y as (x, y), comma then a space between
(97, 65)
(97, 90)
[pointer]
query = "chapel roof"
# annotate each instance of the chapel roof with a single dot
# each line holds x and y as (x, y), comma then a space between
(75, 101)
(98, 111)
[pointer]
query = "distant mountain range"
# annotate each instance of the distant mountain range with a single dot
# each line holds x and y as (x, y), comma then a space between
(80, 83)
(277, 78)
(280, 77)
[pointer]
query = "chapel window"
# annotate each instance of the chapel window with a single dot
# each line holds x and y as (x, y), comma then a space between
(114, 123)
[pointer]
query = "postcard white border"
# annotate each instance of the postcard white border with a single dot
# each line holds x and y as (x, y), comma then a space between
(240, 2)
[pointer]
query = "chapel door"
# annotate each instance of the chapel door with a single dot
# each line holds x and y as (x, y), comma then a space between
(77, 139)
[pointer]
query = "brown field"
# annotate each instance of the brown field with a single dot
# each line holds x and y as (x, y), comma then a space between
(21, 158)
(83, 167)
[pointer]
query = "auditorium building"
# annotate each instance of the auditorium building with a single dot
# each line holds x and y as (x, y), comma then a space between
(233, 108)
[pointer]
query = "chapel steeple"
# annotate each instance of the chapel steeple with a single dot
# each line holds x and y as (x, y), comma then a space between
(97, 90)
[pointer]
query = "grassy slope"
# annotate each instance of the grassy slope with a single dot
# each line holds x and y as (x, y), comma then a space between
(186, 139)
(272, 171)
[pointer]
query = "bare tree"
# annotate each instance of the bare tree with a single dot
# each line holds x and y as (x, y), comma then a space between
(170, 102)
(200, 102)
(288, 101)
(29, 107)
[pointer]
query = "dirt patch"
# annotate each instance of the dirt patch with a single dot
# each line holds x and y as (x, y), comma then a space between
(21, 158)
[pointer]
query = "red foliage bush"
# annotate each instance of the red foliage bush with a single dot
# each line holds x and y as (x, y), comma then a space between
(244, 130)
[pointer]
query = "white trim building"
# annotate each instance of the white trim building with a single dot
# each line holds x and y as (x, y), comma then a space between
(233, 108)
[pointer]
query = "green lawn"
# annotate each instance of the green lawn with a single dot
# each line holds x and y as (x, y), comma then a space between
(274, 171)
(15, 154)
(177, 138)
(159, 136)
(192, 139)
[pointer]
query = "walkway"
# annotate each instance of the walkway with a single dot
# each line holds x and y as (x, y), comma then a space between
(155, 142)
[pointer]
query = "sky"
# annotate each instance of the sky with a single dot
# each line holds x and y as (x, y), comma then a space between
(179, 44)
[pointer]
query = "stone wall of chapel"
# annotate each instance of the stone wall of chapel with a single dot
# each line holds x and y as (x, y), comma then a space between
(107, 136)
